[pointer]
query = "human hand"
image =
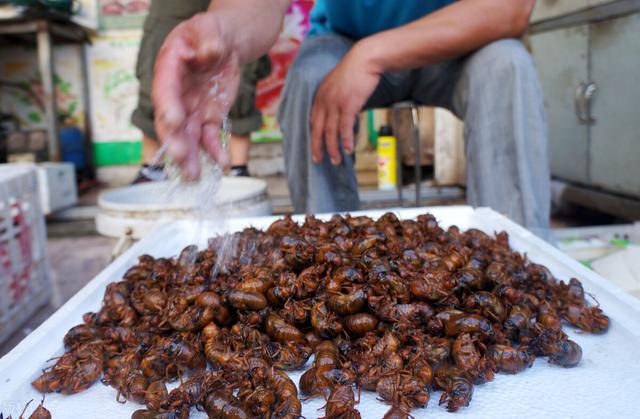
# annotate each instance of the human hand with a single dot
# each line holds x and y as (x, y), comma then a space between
(338, 101)
(196, 79)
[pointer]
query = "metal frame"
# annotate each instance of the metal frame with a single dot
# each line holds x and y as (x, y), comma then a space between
(610, 203)
(45, 62)
(416, 138)
(592, 14)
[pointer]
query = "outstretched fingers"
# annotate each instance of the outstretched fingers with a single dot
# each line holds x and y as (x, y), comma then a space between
(347, 124)
(331, 136)
(167, 93)
(317, 133)
(212, 144)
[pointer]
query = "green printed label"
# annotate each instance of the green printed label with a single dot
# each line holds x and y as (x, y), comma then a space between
(117, 153)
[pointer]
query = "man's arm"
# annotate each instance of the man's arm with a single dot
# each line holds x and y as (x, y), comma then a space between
(197, 74)
(450, 32)
(253, 24)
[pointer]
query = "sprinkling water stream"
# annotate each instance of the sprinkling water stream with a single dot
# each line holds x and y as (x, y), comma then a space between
(208, 213)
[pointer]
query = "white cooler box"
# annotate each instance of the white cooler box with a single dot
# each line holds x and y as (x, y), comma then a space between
(58, 188)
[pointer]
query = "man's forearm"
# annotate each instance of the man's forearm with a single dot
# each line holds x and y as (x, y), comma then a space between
(450, 32)
(253, 25)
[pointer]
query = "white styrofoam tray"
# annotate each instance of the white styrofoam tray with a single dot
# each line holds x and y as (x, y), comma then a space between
(605, 384)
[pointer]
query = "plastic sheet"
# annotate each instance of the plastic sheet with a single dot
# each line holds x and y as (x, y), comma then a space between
(605, 384)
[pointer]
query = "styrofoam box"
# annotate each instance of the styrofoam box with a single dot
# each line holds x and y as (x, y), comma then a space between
(605, 384)
(24, 280)
(58, 188)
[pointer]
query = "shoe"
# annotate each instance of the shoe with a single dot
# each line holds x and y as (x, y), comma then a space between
(239, 171)
(150, 173)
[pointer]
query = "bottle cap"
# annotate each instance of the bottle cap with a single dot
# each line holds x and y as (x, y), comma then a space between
(385, 131)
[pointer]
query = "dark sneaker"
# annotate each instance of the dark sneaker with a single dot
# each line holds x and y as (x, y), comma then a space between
(239, 171)
(150, 173)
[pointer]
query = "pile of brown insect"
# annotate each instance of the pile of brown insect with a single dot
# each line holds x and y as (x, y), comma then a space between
(402, 308)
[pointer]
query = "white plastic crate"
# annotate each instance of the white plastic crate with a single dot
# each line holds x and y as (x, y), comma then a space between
(24, 269)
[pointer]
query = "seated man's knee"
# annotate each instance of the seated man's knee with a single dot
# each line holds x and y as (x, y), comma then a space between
(311, 70)
(307, 74)
(504, 57)
(316, 58)
(303, 78)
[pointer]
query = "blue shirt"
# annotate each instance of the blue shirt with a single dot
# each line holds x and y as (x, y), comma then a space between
(357, 19)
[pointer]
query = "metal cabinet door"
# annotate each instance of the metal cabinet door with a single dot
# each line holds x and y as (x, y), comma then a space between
(615, 136)
(561, 57)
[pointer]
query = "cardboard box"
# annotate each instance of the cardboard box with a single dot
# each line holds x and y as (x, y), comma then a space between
(122, 14)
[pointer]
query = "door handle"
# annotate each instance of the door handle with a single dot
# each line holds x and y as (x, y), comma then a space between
(583, 99)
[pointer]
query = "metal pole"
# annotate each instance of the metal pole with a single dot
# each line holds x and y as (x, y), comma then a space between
(45, 61)
(416, 136)
(88, 123)
(398, 155)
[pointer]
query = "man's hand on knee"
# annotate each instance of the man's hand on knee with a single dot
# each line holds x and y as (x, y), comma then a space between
(337, 102)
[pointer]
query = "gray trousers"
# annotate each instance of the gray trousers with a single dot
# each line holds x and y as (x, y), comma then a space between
(495, 91)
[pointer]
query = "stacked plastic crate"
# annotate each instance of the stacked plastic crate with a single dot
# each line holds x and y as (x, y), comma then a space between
(24, 269)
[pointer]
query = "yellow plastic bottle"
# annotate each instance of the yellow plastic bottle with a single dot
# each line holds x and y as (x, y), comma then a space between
(387, 158)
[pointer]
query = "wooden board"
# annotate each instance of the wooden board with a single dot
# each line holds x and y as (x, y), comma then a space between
(449, 153)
